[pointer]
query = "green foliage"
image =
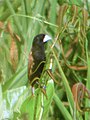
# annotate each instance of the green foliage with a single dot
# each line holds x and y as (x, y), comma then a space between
(68, 22)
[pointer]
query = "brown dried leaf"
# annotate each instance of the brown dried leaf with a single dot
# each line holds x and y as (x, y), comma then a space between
(71, 47)
(85, 16)
(9, 28)
(79, 91)
(13, 35)
(14, 54)
(75, 13)
(61, 13)
(78, 67)
(78, 94)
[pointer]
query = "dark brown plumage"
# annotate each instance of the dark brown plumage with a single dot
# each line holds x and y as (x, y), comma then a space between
(37, 59)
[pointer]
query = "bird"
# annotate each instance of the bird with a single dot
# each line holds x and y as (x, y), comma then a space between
(37, 59)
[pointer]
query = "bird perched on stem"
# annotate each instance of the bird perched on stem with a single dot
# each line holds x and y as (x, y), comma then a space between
(37, 59)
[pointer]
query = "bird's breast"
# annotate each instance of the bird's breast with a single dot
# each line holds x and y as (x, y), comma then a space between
(39, 56)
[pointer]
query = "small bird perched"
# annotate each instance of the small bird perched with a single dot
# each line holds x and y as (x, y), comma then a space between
(37, 59)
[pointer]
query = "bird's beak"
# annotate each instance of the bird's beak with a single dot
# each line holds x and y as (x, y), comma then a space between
(46, 38)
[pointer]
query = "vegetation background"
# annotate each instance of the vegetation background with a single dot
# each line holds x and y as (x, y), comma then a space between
(68, 23)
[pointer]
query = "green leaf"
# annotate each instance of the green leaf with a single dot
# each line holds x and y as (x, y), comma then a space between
(37, 107)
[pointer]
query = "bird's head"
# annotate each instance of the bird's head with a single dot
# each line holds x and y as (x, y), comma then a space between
(41, 39)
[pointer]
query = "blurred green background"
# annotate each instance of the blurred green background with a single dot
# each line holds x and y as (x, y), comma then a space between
(68, 23)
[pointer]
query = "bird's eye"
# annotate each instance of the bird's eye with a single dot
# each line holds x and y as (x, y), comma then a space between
(38, 39)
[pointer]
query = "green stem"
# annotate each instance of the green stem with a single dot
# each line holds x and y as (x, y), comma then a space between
(66, 85)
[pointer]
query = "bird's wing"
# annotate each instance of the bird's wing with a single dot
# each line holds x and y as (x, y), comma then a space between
(30, 64)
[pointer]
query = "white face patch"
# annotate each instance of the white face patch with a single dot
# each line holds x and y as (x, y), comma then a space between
(46, 38)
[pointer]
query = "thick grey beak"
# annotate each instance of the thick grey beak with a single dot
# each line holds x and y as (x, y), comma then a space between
(46, 38)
